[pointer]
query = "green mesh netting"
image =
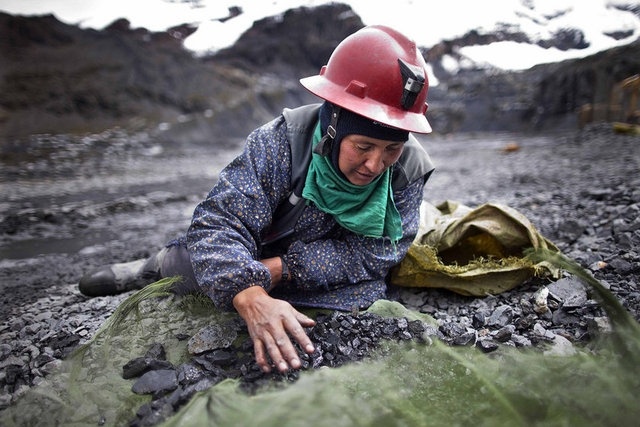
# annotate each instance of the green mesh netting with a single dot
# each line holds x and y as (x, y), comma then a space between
(404, 385)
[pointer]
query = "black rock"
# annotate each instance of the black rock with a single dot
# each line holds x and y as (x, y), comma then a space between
(452, 330)
(487, 346)
(156, 351)
(621, 266)
(140, 365)
(504, 334)
(466, 338)
(478, 320)
(189, 373)
(221, 357)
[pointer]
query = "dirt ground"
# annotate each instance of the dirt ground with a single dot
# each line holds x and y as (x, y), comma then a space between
(74, 203)
(71, 204)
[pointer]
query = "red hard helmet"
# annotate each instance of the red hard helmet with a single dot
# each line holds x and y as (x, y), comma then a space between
(377, 73)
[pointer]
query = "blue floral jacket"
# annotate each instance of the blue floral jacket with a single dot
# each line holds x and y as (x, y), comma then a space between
(330, 266)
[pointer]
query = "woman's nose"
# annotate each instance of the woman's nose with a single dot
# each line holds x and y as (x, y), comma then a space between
(375, 162)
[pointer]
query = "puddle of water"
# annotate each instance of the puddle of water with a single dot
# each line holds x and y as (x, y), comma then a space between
(34, 247)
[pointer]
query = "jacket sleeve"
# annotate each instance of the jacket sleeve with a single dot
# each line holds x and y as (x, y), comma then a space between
(223, 238)
(348, 258)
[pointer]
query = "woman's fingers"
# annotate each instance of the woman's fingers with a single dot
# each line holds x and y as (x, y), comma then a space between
(261, 356)
(271, 322)
(288, 356)
(283, 353)
(279, 351)
(295, 328)
(275, 343)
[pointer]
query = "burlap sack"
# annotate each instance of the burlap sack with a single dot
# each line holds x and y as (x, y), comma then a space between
(472, 251)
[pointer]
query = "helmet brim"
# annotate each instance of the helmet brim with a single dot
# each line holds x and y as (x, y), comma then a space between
(390, 116)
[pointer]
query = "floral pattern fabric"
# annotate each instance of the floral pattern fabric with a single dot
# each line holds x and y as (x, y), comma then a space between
(330, 266)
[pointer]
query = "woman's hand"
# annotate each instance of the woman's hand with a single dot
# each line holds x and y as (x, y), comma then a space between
(270, 322)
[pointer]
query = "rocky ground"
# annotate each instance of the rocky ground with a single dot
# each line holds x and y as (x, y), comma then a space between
(76, 203)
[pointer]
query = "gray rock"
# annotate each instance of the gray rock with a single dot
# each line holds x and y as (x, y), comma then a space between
(212, 337)
(5, 400)
(501, 316)
(479, 319)
(156, 382)
(520, 341)
(570, 291)
(222, 357)
(5, 350)
(621, 266)
(542, 333)
(598, 326)
(560, 346)
(51, 366)
(467, 338)
(12, 361)
(504, 334)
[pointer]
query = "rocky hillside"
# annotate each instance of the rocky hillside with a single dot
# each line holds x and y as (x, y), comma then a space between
(543, 98)
(59, 78)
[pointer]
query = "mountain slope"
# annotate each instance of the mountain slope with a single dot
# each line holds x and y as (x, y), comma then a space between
(61, 78)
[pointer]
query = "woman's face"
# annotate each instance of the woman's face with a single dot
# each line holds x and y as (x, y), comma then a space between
(362, 159)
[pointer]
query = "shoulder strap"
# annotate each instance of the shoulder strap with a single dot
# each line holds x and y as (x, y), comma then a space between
(414, 163)
(300, 123)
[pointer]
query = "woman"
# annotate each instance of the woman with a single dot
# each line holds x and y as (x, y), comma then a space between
(322, 202)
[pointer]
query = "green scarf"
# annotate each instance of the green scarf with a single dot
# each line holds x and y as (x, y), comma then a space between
(368, 210)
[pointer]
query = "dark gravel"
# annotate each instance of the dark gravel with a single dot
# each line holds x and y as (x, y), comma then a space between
(339, 338)
(111, 197)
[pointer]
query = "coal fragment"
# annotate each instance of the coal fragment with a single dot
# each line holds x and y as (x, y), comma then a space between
(212, 337)
(156, 382)
(156, 351)
(140, 365)
(487, 346)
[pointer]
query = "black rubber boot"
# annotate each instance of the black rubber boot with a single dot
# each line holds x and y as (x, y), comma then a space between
(122, 277)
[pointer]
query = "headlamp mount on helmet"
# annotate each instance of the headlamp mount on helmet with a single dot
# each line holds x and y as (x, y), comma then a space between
(413, 81)
(388, 87)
